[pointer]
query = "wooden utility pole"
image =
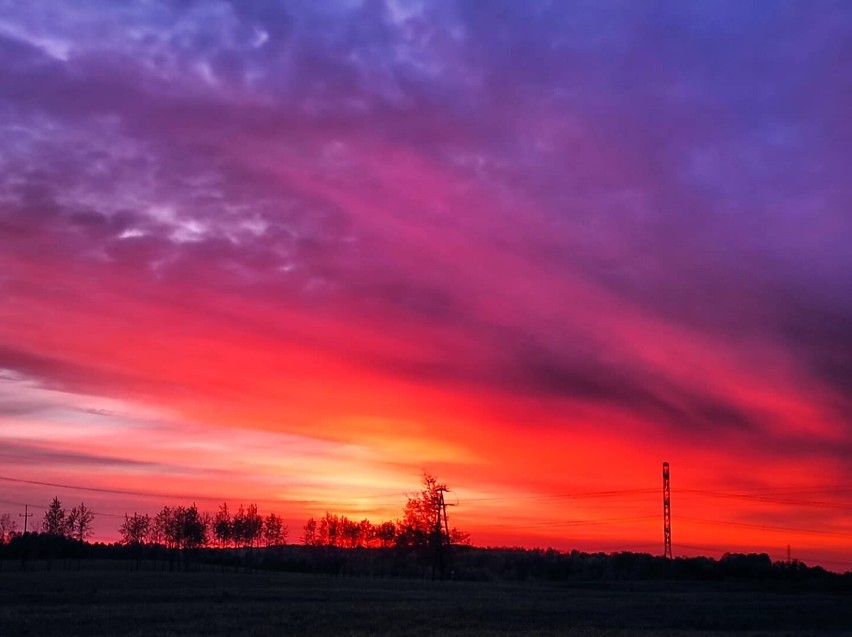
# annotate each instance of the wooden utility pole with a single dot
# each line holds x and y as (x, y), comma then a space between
(26, 515)
(440, 535)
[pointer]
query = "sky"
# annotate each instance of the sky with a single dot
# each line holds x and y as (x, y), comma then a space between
(298, 253)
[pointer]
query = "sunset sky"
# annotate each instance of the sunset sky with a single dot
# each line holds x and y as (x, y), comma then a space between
(296, 253)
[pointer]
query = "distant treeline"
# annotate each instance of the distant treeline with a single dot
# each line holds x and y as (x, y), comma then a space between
(464, 563)
(182, 537)
(518, 564)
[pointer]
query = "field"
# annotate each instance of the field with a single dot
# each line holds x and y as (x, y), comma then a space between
(113, 600)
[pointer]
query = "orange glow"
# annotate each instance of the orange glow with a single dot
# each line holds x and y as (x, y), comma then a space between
(305, 293)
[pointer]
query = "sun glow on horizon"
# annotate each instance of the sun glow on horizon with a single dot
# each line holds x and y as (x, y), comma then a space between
(298, 256)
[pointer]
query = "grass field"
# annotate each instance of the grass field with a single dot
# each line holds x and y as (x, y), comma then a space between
(109, 601)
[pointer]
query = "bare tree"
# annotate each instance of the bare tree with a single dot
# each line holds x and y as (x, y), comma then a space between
(135, 529)
(350, 533)
(254, 525)
(424, 526)
(274, 530)
(79, 522)
(247, 526)
(422, 511)
(365, 533)
(186, 527)
(384, 534)
(223, 526)
(328, 532)
(309, 533)
(159, 532)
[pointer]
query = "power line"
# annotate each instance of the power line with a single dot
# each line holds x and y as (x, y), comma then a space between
(566, 496)
(767, 499)
(569, 523)
(712, 549)
(21, 504)
(111, 491)
(27, 508)
(82, 488)
(150, 494)
(763, 495)
(797, 488)
(767, 527)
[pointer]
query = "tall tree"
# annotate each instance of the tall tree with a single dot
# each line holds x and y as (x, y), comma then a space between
(309, 533)
(384, 534)
(274, 530)
(55, 522)
(223, 526)
(328, 532)
(365, 533)
(79, 522)
(350, 533)
(247, 525)
(424, 526)
(160, 532)
(188, 528)
(135, 529)
(423, 521)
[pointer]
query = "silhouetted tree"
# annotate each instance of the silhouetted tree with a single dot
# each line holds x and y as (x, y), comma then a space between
(274, 530)
(8, 526)
(55, 521)
(247, 526)
(384, 534)
(135, 529)
(182, 527)
(365, 533)
(309, 533)
(223, 526)
(340, 531)
(328, 531)
(189, 528)
(753, 565)
(350, 532)
(79, 522)
(159, 532)
(419, 523)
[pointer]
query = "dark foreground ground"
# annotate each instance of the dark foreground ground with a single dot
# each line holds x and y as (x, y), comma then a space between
(116, 601)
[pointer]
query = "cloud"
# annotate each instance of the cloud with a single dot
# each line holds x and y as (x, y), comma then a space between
(22, 454)
(629, 221)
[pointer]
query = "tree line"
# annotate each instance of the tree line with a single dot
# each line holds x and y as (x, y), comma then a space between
(419, 527)
(75, 524)
(186, 527)
(406, 547)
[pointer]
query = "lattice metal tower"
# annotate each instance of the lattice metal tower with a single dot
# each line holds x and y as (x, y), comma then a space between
(667, 513)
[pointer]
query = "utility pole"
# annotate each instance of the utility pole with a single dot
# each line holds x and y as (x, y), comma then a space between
(440, 534)
(26, 515)
(444, 506)
(667, 513)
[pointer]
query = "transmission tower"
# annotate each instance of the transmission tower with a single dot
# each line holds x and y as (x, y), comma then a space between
(667, 513)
